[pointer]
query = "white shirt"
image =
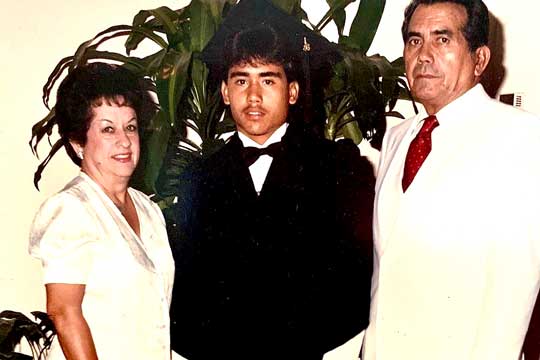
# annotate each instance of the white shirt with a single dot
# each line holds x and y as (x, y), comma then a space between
(259, 169)
(82, 238)
(457, 256)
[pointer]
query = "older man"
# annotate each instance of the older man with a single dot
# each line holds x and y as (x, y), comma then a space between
(457, 236)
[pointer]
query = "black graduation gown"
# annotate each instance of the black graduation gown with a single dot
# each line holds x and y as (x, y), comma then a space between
(281, 275)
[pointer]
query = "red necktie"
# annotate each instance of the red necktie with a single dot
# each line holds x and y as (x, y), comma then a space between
(418, 151)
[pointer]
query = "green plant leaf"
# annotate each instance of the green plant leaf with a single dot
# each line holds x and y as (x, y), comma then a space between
(394, 114)
(166, 17)
(171, 81)
(360, 72)
(337, 10)
(14, 326)
(151, 64)
(6, 326)
(216, 8)
(14, 356)
(384, 67)
(53, 77)
(302, 16)
(199, 73)
(203, 25)
(111, 32)
(154, 143)
(79, 57)
(145, 33)
(365, 24)
(225, 126)
(132, 63)
(136, 37)
(164, 20)
(399, 63)
(37, 175)
(336, 7)
(215, 121)
(351, 130)
(205, 17)
(178, 17)
(40, 129)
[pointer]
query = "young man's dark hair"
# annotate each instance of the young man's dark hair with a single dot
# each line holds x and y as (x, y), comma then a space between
(260, 44)
(475, 31)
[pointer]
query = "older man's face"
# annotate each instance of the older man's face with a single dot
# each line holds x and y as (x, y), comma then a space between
(439, 65)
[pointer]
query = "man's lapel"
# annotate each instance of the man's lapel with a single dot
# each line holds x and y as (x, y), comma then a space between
(286, 171)
(389, 192)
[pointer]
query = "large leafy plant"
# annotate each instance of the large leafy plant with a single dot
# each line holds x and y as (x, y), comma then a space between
(14, 326)
(192, 117)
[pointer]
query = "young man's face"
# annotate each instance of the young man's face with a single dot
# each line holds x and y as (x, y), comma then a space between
(259, 96)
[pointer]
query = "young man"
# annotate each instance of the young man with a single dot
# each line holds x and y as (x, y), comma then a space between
(457, 239)
(276, 257)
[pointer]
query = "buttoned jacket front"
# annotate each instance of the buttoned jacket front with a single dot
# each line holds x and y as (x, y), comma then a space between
(280, 275)
(457, 256)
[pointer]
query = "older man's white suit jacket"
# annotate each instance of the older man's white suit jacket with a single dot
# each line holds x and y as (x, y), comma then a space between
(457, 257)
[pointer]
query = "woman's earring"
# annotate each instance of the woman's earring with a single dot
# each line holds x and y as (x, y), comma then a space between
(80, 154)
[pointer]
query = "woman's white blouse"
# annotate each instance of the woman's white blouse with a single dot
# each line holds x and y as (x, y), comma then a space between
(82, 238)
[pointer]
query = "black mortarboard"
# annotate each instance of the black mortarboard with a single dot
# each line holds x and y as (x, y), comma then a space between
(313, 53)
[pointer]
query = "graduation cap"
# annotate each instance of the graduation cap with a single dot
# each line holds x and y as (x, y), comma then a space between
(311, 55)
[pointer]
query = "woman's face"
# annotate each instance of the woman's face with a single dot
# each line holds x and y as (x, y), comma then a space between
(111, 151)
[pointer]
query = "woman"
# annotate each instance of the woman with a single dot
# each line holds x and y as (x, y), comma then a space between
(108, 267)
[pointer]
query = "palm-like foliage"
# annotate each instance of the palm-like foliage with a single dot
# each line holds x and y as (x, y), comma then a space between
(363, 90)
(15, 325)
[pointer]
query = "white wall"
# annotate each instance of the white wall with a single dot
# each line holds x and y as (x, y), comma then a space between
(36, 34)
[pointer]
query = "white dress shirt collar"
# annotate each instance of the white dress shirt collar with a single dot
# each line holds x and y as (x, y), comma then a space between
(453, 113)
(465, 104)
